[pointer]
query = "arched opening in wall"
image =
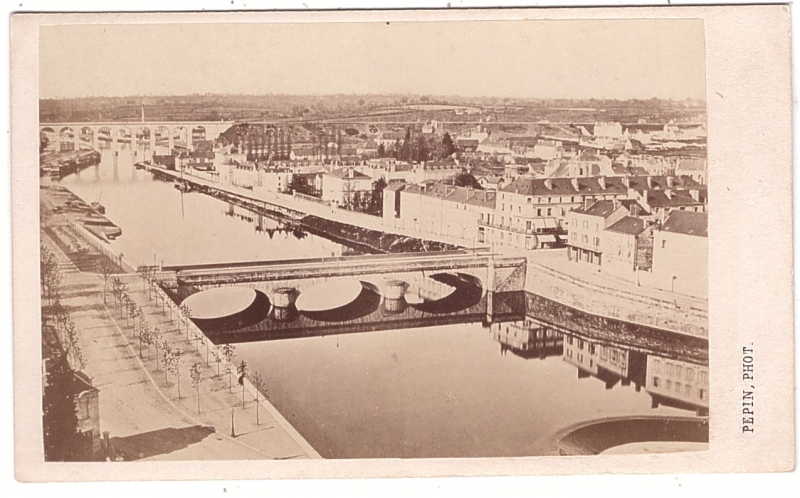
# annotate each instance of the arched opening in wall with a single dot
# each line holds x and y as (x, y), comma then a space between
(180, 137)
(104, 137)
(87, 138)
(48, 140)
(124, 135)
(66, 139)
(198, 134)
(143, 136)
(162, 138)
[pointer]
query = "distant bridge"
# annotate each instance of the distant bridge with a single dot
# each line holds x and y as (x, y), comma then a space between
(166, 133)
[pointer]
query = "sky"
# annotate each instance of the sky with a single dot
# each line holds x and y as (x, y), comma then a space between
(617, 59)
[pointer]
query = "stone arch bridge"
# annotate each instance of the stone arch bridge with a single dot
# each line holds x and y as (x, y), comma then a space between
(153, 133)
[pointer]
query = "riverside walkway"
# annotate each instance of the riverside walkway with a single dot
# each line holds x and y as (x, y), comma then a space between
(321, 210)
(141, 408)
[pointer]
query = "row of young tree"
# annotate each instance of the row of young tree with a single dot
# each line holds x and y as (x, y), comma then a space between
(61, 438)
(419, 148)
(170, 358)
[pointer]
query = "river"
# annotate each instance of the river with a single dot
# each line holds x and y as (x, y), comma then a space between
(465, 390)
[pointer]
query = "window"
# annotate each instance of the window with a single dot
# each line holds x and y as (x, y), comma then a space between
(656, 382)
(669, 385)
(669, 369)
(519, 209)
(591, 348)
(657, 366)
(688, 390)
(528, 225)
(690, 374)
(678, 371)
(538, 211)
(580, 344)
(586, 224)
(569, 353)
(702, 393)
(549, 211)
(502, 207)
(83, 407)
(704, 378)
(529, 200)
(569, 339)
(678, 387)
(663, 244)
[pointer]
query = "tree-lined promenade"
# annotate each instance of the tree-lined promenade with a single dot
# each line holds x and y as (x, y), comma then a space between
(163, 393)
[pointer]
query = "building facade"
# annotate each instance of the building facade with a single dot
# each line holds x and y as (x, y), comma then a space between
(680, 254)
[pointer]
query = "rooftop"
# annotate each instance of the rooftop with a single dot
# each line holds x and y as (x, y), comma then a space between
(602, 209)
(687, 223)
(629, 225)
(453, 193)
(347, 173)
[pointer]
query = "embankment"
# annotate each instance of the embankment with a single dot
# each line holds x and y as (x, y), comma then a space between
(678, 315)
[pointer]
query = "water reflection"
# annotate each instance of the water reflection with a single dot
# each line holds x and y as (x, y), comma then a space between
(183, 229)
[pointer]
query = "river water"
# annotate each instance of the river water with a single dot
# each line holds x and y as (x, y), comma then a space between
(465, 390)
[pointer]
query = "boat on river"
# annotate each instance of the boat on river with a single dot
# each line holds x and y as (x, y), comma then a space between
(101, 227)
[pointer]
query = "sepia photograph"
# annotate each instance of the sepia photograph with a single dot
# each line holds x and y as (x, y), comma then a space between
(374, 240)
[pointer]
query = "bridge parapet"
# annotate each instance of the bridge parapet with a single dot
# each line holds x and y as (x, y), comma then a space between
(507, 274)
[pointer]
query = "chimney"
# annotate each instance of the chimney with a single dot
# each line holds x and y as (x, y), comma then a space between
(575, 184)
(587, 201)
(548, 183)
(668, 193)
(649, 182)
(695, 195)
(350, 173)
(602, 181)
(670, 182)
(626, 180)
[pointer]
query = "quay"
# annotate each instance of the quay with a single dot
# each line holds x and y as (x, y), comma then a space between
(294, 209)
(151, 416)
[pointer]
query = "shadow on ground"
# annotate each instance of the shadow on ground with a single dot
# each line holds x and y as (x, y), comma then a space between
(158, 442)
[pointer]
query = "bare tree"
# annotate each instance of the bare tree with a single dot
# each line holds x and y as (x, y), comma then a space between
(261, 386)
(228, 351)
(175, 364)
(156, 339)
(166, 355)
(242, 369)
(146, 338)
(196, 378)
(106, 269)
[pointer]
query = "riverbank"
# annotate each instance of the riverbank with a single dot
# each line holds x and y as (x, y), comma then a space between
(151, 415)
(551, 276)
(60, 164)
(370, 230)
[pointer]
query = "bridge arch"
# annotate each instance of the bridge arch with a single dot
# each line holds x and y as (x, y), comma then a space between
(87, 135)
(143, 134)
(123, 134)
(66, 138)
(180, 136)
(105, 136)
(163, 136)
(48, 140)
(198, 134)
